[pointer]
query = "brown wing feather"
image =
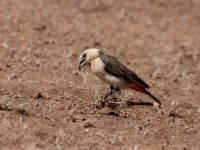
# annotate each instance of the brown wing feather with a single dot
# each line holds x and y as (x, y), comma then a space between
(114, 67)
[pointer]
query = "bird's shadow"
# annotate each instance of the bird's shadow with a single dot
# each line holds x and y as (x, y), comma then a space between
(113, 108)
(131, 103)
(128, 103)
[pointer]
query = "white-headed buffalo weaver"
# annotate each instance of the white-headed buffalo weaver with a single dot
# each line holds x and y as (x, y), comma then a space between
(112, 72)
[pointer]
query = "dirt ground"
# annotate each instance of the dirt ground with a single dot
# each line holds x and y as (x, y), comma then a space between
(46, 103)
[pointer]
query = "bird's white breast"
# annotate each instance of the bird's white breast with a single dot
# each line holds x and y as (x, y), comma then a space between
(98, 68)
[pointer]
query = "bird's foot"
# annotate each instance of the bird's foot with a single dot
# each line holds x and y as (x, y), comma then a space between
(110, 99)
(113, 100)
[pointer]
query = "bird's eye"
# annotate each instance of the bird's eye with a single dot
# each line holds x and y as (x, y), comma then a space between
(84, 55)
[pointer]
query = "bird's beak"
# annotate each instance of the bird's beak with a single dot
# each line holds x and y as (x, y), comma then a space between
(81, 63)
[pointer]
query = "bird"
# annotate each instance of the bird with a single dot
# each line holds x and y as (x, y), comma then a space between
(111, 71)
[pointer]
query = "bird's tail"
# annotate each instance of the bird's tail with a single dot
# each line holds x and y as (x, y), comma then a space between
(138, 88)
(144, 91)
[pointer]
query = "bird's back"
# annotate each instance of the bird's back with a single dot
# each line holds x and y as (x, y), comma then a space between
(117, 69)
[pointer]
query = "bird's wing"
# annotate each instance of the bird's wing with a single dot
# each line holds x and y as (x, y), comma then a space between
(117, 69)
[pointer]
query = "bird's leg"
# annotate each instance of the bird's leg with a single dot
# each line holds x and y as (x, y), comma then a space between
(112, 90)
(114, 99)
(117, 91)
(110, 93)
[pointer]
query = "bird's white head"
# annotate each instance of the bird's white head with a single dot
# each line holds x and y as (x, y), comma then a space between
(87, 56)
